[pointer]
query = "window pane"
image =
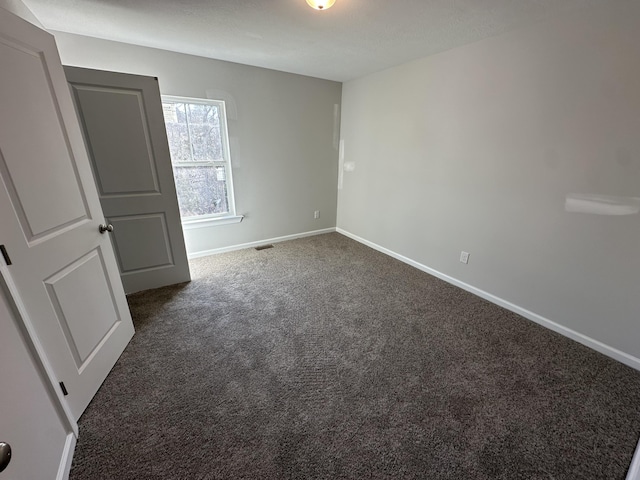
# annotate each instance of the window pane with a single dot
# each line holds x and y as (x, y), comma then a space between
(201, 190)
(195, 132)
(206, 140)
(177, 131)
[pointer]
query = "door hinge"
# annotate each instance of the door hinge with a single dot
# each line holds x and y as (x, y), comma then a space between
(5, 255)
(64, 389)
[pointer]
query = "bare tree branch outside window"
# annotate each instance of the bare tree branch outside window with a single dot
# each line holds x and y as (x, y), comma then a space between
(197, 155)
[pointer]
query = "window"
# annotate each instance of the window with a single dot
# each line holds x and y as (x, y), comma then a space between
(199, 146)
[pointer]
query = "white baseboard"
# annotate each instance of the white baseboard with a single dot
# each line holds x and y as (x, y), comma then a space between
(67, 457)
(545, 322)
(215, 251)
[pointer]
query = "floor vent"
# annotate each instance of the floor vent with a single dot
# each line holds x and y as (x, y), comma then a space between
(264, 247)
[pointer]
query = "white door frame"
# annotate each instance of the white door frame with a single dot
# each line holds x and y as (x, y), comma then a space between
(34, 347)
(634, 469)
(23, 322)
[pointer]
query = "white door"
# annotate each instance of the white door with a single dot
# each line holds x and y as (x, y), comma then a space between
(63, 268)
(123, 126)
(29, 423)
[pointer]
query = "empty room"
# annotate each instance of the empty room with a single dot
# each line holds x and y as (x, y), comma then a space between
(319, 239)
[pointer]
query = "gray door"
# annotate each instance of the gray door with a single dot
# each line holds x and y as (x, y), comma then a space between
(123, 126)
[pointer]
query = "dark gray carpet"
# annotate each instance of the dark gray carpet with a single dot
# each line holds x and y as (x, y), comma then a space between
(323, 359)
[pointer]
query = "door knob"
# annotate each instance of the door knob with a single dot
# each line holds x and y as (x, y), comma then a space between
(105, 228)
(5, 455)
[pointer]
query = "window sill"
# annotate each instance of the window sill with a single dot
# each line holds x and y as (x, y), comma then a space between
(211, 222)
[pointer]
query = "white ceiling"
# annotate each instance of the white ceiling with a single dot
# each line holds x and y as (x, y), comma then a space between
(352, 39)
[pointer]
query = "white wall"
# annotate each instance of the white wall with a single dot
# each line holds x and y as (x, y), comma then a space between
(477, 148)
(17, 7)
(281, 129)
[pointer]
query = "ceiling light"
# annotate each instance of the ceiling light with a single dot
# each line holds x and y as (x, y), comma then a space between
(321, 4)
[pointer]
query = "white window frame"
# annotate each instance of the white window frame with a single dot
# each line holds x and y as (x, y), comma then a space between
(214, 218)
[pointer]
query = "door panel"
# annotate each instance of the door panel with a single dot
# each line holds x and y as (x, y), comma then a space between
(123, 125)
(55, 203)
(124, 167)
(127, 231)
(64, 270)
(84, 338)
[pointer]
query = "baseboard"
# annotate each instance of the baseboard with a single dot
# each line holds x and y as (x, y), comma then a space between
(67, 457)
(545, 322)
(215, 251)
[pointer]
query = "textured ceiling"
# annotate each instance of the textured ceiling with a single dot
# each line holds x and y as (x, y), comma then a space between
(352, 39)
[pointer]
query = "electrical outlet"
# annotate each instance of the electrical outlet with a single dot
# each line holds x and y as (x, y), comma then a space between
(464, 257)
(316, 214)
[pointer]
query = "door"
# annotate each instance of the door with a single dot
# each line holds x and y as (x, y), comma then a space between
(29, 422)
(63, 269)
(123, 127)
